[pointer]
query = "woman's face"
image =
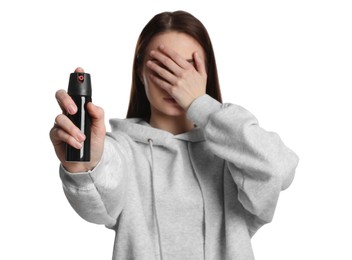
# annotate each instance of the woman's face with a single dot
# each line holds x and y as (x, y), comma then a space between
(160, 101)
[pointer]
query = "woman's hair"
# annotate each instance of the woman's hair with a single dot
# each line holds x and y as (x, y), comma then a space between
(179, 21)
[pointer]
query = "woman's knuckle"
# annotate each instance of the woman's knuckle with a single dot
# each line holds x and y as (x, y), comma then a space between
(183, 74)
(178, 82)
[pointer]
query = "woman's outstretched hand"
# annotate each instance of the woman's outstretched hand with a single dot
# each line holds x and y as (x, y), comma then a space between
(184, 80)
(64, 131)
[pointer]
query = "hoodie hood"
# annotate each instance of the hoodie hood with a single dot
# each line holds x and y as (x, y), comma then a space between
(141, 131)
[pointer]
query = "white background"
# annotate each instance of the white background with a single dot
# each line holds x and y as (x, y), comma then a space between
(288, 62)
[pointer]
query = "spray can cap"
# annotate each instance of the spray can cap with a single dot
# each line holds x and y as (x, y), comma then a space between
(79, 84)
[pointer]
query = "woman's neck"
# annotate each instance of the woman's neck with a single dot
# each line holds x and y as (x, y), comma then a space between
(173, 124)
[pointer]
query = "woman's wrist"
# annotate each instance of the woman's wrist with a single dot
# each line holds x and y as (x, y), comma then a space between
(75, 167)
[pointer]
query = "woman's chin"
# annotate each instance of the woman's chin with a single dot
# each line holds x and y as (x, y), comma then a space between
(172, 111)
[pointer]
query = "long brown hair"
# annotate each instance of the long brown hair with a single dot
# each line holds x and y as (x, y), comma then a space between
(180, 21)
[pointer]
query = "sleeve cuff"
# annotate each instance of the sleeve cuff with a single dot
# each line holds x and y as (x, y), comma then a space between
(201, 108)
(79, 180)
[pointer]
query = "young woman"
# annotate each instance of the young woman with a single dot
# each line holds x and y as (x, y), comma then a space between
(184, 176)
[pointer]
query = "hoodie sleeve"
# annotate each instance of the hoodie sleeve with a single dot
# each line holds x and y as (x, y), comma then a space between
(259, 162)
(98, 195)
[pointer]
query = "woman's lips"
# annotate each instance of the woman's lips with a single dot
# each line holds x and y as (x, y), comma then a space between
(170, 100)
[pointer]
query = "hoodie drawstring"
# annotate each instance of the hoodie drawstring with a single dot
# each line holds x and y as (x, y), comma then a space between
(150, 141)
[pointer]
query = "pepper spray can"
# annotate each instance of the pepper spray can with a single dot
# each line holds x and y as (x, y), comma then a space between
(80, 89)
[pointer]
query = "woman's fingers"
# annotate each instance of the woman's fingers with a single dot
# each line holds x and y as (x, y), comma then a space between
(64, 123)
(66, 103)
(59, 136)
(199, 64)
(98, 120)
(79, 70)
(169, 63)
(161, 72)
(174, 58)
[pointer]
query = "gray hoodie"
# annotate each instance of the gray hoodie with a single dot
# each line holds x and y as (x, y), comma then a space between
(198, 195)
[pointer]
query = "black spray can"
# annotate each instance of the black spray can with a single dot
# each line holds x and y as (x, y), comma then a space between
(80, 89)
